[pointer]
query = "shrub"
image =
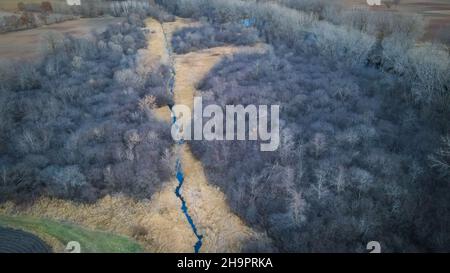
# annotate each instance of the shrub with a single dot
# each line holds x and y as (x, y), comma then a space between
(384, 23)
(430, 69)
(46, 7)
(195, 38)
(138, 231)
(63, 182)
(124, 8)
(348, 46)
(127, 78)
(362, 18)
(441, 159)
(93, 8)
(21, 6)
(157, 12)
(319, 7)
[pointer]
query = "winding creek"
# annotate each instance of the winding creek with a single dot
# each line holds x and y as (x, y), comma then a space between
(184, 208)
(203, 205)
(178, 168)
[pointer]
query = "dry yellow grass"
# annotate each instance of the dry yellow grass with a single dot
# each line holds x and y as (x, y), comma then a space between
(156, 53)
(162, 113)
(167, 228)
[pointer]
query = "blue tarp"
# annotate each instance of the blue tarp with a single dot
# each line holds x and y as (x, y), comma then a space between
(248, 22)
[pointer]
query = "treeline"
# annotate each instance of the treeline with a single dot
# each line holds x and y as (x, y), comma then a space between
(78, 124)
(94, 8)
(397, 49)
(207, 35)
(31, 16)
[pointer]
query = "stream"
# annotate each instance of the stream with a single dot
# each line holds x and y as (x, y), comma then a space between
(178, 167)
(184, 208)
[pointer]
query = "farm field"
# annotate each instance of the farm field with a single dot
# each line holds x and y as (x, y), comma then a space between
(11, 5)
(28, 44)
(58, 234)
(435, 12)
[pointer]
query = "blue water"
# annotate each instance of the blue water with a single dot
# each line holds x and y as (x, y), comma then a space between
(184, 208)
(180, 177)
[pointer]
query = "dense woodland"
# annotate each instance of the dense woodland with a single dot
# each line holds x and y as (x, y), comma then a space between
(365, 131)
(206, 36)
(78, 124)
(364, 154)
